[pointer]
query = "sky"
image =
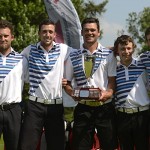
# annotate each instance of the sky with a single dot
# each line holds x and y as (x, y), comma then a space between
(114, 19)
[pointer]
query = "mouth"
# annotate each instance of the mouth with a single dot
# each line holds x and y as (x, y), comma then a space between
(47, 40)
(89, 37)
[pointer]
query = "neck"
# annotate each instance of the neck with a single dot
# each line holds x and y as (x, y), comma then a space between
(47, 47)
(126, 63)
(90, 46)
(5, 52)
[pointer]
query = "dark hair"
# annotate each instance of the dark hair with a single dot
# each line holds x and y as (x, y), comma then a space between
(91, 20)
(147, 32)
(123, 40)
(6, 24)
(46, 22)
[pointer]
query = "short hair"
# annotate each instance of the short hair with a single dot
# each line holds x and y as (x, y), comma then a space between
(123, 40)
(147, 32)
(6, 24)
(46, 22)
(91, 20)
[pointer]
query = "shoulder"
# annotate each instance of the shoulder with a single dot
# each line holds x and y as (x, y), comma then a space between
(75, 52)
(26, 50)
(145, 54)
(62, 45)
(107, 51)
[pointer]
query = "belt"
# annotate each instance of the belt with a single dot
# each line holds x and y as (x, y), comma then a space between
(5, 107)
(94, 103)
(46, 101)
(133, 110)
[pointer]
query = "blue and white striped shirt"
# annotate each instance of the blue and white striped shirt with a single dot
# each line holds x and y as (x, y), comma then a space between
(105, 66)
(145, 58)
(131, 85)
(13, 73)
(46, 69)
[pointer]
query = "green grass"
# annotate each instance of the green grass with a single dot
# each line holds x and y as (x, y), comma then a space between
(1, 143)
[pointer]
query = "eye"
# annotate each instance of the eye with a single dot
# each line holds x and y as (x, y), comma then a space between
(92, 30)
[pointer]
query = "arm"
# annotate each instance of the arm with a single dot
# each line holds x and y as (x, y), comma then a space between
(64, 82)
(68, 88)
(107, 94)
(112, 64)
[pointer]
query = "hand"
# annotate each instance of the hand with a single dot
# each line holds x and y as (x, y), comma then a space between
(64, 82)
(76, 98)
(105, 95)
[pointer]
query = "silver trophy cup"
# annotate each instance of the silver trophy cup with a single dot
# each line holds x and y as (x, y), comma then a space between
(87, 92)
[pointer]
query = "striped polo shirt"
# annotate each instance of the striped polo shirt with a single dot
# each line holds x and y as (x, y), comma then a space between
(46, 69)
(145, 58)
(131, 85)
(13, 73)
(105, 66)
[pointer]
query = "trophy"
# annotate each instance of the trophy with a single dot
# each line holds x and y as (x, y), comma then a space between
(88, 92)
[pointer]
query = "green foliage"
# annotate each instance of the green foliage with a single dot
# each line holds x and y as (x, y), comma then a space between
(89, 9)
(25, 15)
(137, 24)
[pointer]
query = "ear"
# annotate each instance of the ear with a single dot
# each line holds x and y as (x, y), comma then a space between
(55, 34)
(99, 34)
(12, 37)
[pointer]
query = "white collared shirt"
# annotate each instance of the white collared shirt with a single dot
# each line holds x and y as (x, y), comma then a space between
(131, 85)
(107, 68)
(49, 84)
(13, 73)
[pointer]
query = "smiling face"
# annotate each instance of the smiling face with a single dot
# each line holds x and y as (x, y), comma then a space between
(124, 47)
(125, 52)
(6, 38)
(47, 35)
(90, 33)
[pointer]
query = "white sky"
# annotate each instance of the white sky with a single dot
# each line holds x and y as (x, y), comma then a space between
(114, 18)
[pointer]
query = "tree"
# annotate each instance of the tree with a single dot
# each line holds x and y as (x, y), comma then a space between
(89, 9)
(137, 24)
(27, 14)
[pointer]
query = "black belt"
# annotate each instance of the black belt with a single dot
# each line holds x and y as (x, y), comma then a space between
(5, 107)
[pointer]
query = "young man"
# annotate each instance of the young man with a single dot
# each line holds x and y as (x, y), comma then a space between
(132, 101)
(13, 69)
(45, 105)
(99, 113)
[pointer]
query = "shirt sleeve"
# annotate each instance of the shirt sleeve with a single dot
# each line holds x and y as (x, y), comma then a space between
(68, 69)
(26, 52)
(112, 65)
(26, 70)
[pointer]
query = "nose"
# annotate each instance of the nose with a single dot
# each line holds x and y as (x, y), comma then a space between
(47, 33)
(126, 50)
(89, 32)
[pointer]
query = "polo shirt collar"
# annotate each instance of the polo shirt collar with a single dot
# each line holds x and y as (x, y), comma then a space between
(99, 48)
(133, 63)
(12, 52)
(39, 46)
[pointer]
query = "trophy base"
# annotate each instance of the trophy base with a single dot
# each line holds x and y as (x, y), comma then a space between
(90, 94)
